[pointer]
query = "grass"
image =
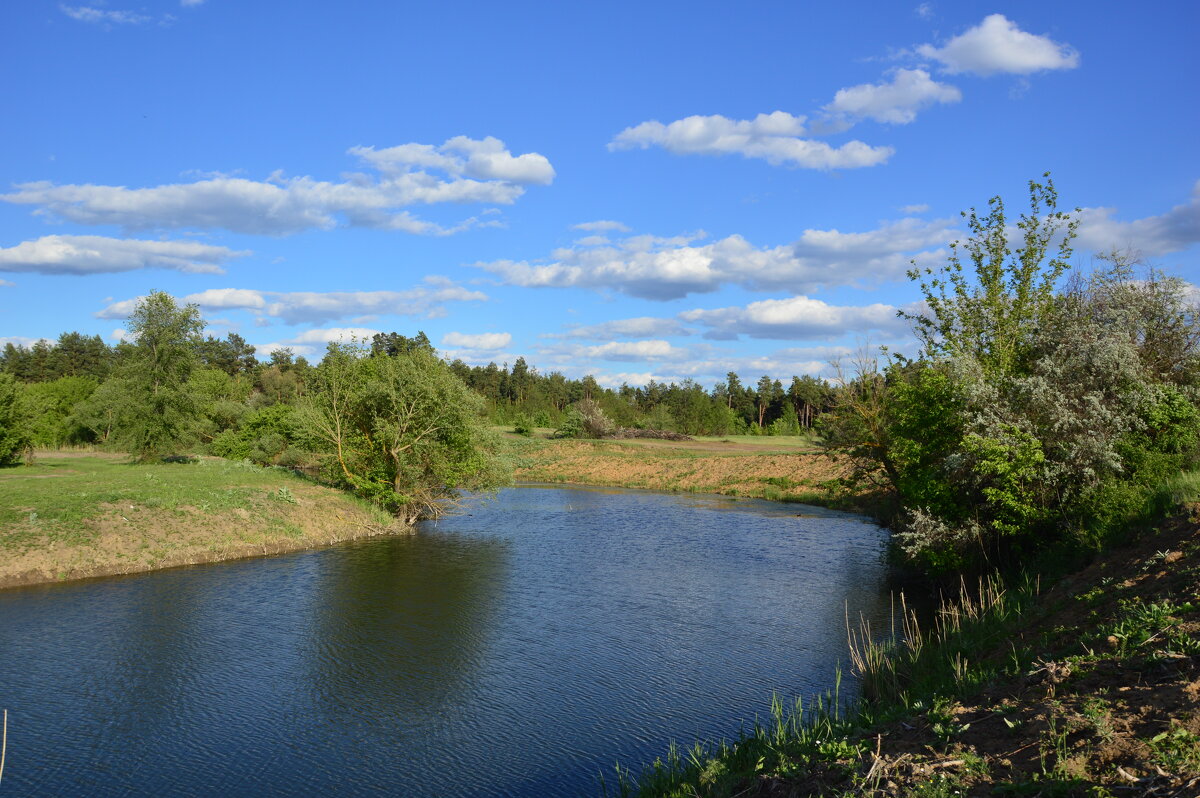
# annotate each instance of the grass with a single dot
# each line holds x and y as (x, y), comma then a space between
(81, 514)
(777, 469)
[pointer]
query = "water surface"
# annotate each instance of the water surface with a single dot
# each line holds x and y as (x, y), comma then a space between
(519, 648)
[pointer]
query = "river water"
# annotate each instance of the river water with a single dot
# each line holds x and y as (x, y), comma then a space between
(519, 648)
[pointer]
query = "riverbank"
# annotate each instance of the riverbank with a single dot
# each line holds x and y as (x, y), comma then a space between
(1089, 687)
(775, 468)
(73, 515)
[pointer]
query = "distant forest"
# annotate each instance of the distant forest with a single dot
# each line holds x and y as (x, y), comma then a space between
(63, 397)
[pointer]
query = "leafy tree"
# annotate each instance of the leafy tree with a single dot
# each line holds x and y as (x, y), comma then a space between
(401, 430)
(158, 410)
(49, 407)
(992, 313)
(14, 432)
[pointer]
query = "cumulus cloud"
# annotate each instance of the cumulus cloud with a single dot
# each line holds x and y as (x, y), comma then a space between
(100, 255)
(485, 342)
(1172, 231)
(484, 159)
(670, 268)
(471, 172)
(896, 102)
(641, 327)
(313, 307)
(997, 46)
(102, 16)
(797, 317)
(775, 138)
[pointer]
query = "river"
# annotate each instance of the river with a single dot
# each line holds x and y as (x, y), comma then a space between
(520, 647)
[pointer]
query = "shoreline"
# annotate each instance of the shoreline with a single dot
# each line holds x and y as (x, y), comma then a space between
(74, 516)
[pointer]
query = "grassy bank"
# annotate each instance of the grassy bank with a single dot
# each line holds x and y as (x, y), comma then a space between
(775, 468)
(74, 515)
(1087, 687)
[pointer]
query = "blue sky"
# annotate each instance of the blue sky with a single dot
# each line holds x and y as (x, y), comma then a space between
(632, 190)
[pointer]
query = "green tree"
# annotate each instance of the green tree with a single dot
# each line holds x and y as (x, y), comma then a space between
(992, 313)
(402, 430)
(158, 410)
(14, 432)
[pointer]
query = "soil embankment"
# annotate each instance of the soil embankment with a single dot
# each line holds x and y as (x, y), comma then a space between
(78, 515)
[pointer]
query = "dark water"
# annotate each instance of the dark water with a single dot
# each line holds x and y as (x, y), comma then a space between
(516, 650)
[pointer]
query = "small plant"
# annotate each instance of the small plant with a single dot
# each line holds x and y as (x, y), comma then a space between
(284, 494)
(1177, 751)
(523, 426)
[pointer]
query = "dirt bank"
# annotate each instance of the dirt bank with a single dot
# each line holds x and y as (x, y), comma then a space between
(72, 516)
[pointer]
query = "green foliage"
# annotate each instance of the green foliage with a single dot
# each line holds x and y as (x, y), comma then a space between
(571, 425)
(264, 436)
(157, 413)
(14, 431)
(523, 425)
(1037, 417)
(992, 314)
(402, 431)
(49, 406)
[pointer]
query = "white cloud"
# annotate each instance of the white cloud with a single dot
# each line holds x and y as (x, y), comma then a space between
(896, 102)
(235, 298)
(1172, 231)
(101, 255)
(997, 45)
(641, 327)
(282, 205)
(327, 335)
(652, 350)
(601, 226)
(485, 159)
(924, 11)
(6, 283)
(101, 16)
(312, 307)
(21, 341)
(479, 342)
(914, 209)
(797, 317)
(188, 3)
(774, 137)
(670, 268)
(313, 342)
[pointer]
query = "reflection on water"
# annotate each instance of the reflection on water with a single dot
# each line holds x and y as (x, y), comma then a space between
(517, 649)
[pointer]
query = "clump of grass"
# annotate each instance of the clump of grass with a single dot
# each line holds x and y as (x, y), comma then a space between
(796, 741)
(914, 661)
(1183, 488)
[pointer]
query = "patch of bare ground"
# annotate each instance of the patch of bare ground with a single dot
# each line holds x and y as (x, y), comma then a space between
(128, 538)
